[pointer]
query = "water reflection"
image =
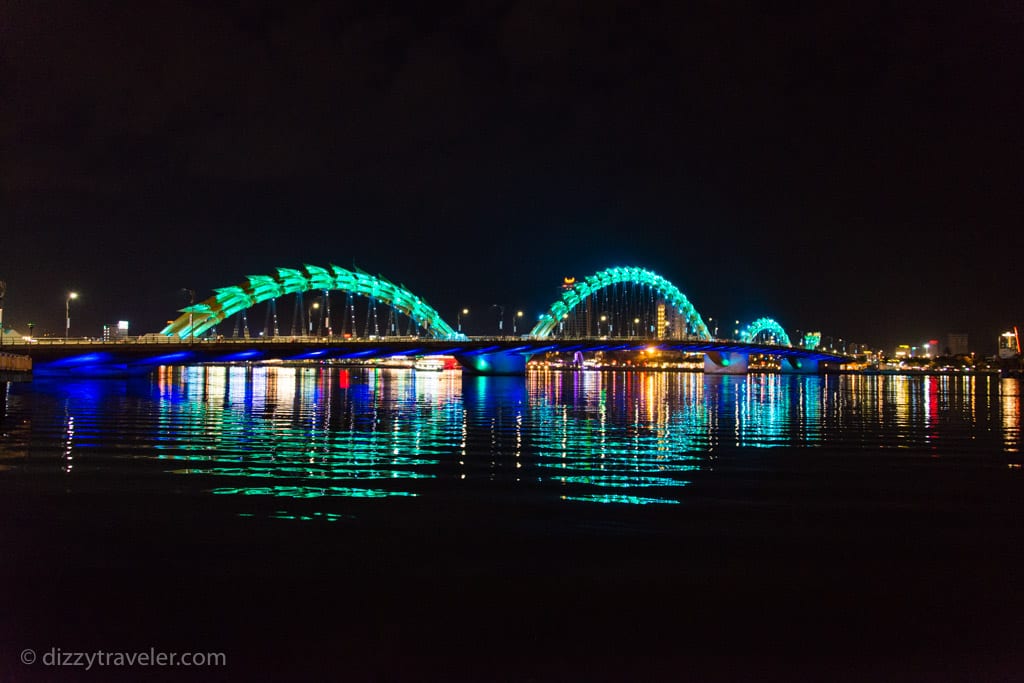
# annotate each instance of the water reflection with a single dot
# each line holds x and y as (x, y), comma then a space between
(324, 436)
(596, 434)
(1009, 394)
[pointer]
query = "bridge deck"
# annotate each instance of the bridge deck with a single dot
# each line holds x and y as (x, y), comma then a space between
(171, 351)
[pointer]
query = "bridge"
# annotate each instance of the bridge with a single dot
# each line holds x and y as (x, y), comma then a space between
(617, 309)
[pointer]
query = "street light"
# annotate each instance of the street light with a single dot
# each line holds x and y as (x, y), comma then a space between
(519, 314)
(67, 314)
(464, 311)
(603, 319)
(636, 321)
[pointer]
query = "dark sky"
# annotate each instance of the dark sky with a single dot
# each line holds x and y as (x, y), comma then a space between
(849, 167)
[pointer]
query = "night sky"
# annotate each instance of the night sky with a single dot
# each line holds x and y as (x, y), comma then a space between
(848, 167)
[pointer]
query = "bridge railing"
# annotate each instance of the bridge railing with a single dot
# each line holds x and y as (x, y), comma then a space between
(164, 340)
(159, 339)
(313, 339)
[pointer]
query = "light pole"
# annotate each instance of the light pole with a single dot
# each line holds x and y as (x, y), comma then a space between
(67, 314)
(603, 319)
(3, 291)
(519, 314)
(636, 321)
(191, 294)
(315, 306)
(464, 311)
(501, 317)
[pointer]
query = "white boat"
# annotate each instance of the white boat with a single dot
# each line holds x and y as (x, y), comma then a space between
(429, 365)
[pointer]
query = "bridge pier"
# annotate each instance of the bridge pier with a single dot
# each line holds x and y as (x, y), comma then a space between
(14, 368)
(725, 363)
(494, 363)
(790, 365)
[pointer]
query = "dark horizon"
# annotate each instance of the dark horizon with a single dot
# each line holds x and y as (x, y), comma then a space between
(851, 168)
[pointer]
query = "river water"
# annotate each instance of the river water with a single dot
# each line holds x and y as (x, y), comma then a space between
(788, 525)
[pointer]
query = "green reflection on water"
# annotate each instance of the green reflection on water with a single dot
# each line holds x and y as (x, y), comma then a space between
(305, 426)
(627, 500)
(623, 481)
(307, 492)
(320, 436)
(284, 514)
(322, 433)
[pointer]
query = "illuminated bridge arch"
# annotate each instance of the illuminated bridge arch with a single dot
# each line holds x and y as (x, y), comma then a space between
(578, 293)
(761, 325)
(201, 317)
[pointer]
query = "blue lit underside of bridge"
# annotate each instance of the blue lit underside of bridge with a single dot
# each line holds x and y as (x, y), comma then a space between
(478, 356)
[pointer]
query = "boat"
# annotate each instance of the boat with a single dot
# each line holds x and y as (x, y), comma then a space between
(428, 365)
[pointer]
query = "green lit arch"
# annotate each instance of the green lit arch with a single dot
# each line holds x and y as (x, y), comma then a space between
(573, 296)
(750, 332)
(258, 288)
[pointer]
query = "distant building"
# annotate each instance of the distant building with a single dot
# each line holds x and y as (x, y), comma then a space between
(956, 344)
(115, 332)
(1009, 345)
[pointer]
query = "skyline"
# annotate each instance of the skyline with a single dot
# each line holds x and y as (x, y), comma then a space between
(851, 168)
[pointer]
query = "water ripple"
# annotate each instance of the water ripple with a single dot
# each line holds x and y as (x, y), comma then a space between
(600, 437)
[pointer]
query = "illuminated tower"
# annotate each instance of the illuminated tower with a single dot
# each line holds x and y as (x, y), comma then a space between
(1009, 345)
